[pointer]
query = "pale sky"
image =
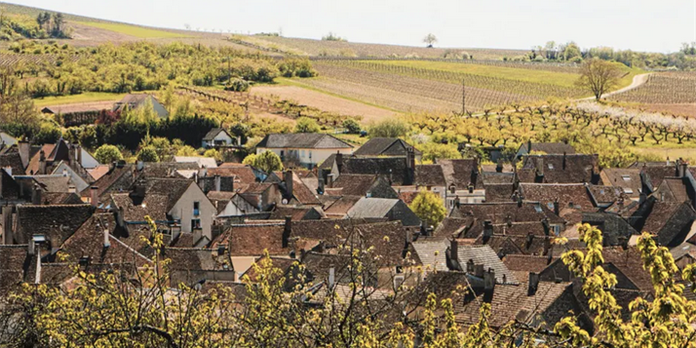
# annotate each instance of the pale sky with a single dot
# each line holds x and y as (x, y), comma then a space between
(640, 25)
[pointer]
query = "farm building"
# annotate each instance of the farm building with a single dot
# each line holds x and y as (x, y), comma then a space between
(77, 114)
(218, 137)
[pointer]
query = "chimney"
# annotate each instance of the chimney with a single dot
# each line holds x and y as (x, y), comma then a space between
(547, 227)
(217, 183)
(24, 152)
(410, 165)
(329, 180)
(37, 279)
(529, 241)
(36, 195)
(72, 189)
(286, 231)
(139, 190)
(454, 249)
(332, 277)
(287, 178)
(564, 160)
(487, 231)
(7, 232)
(339, 162)
(471, 188)
(529, 146)
(556, 207)
(533, 284)
(539, 170)
(470, 266)
(107, 243)
(457, 202)
(519, 201)
(94, 196)
(31, 247)
(78, 153)
(478, 270)
(140, 165)
(682, 168)
(42, 162)
(488, 285)
(320, 187)
(499, 166)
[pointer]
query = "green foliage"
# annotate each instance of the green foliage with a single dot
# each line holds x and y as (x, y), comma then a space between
(434, 151)
(49, 133)
(186, 150)
(268, 161)
(295, 67)
(429, 208)
(250, 159)
(212, 153)
(148, 154)
(352, 126)
(388, 128)
(107, 154)
(237, 85)
(333, 37)
(306, 125)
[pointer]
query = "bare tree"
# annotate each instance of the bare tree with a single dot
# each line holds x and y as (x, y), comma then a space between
(598, 76)
(430, 40)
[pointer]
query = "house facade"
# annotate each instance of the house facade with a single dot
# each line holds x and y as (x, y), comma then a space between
(305, 149)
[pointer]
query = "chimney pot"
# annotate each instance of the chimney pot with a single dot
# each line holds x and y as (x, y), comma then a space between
(286, 231)
(533, 284)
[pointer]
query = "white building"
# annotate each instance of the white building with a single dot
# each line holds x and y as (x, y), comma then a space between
(305, 149)
(218, 137)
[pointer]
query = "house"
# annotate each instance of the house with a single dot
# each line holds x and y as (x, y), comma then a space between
(476, 259)
(387, 147)
(545, 148)
(62, 158)
(400, 171)
(77, 114)
(218, 137)
(365, 185)
(306, 149)
(391, 209)
(12, 163)
(134, 101)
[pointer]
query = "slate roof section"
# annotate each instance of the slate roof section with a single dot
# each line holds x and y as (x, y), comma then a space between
(526, 263)
(13, 266)
(568, 195)
(394, 168)
(302, 140)
(653, 175)
(430, 175)
(53, 183)
(154, 205)
(670, 222)
(394, 209)
(604, 195)
(385, 147)
(172, 188)
(483, 254)
(57, 198)
(213, 133)
(499, 192)
(56, 222)
(12, 160)
(500, 213)
(452, 227)
(9, 188)
(432, 253)
(339, 208)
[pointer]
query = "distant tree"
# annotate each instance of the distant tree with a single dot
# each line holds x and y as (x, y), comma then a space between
(389, 128)
(43, 19)
(306, 125)
(434, 151)
(186, 150)
(429, 208)
(430, 40)
(212, 153)
(107, 154)
(250, 159)
(598, 76)
(352, 126)
(148, 154)
(333, 37)
(268, 161)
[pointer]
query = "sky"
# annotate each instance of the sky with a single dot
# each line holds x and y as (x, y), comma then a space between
(639, 25)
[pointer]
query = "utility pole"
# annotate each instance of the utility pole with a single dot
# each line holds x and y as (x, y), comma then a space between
(229, 73)
(463, 98)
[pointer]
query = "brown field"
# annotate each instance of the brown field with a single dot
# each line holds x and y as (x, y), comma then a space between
(324, 102)
(688, 110)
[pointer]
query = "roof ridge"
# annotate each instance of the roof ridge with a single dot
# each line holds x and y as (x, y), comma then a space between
(128, 247)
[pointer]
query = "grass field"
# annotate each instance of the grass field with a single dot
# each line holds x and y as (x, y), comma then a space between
(78, 98)
(132, 30)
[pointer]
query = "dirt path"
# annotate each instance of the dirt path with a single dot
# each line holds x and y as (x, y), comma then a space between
(638, 81)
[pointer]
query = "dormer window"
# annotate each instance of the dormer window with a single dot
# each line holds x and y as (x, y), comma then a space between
(628, 191)
(626, 178)
(550, 165)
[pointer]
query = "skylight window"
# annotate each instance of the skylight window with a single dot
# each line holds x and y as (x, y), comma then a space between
(550, 165)
(626, 177)
(628, 191)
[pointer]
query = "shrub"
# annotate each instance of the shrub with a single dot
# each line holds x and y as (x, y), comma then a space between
(268, 162)
(389, 128)
(148, 154)
(237, 85)
(306, 125)
(429, 207)
(108, 154)
(352, 126)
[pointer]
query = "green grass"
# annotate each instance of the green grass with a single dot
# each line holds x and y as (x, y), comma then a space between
(132, 30)
(527, 75)
(78, 98)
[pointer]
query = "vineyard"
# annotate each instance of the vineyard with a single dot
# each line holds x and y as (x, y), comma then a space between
(430, 87)
(26, 61)
(664, 88)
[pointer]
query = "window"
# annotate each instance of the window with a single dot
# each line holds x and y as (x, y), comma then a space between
(550, 205)
(301, 153)
(196, 208)
(195, 224)
(628, 191)
(537, 208)
(626, 177)
(557, 230)
(550, 165)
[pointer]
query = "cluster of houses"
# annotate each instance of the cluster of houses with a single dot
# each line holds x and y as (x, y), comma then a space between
(219, 218)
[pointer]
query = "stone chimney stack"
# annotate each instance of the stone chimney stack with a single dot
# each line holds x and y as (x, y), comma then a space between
(42, 162)
(94, 195)
(286, 231)
(287, 178)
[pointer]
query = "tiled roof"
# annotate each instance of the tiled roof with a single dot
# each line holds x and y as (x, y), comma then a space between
(302, 193)
(497, 178)
(562, 169)
(630, 263)
(153, 205)
(243, 174)
(394, 209)
(627, 178)
(354, 184)
(319, 265)
(53, 183)
(98, 171)
(604, 195)
(252, 240)
(674, 189)
(526, 263)
(483, 254)
(53, 198)
(670, 221)
(461, 173)
(213, 133)
(430, 175)
(172, 188)
(117, 179)
(56, 222)
(12, 266)
(282, 263)
(384, 147)
(34, 163)
(387, 238)
(303, 140)
(408, 196)
(510, 244)
(655, 174)
(296, 213)
(12, 160)
(451, 227)
(550, 148)
(394, 168)
(341, 206)
(568, 195)
(499, 192)
(503, 212)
